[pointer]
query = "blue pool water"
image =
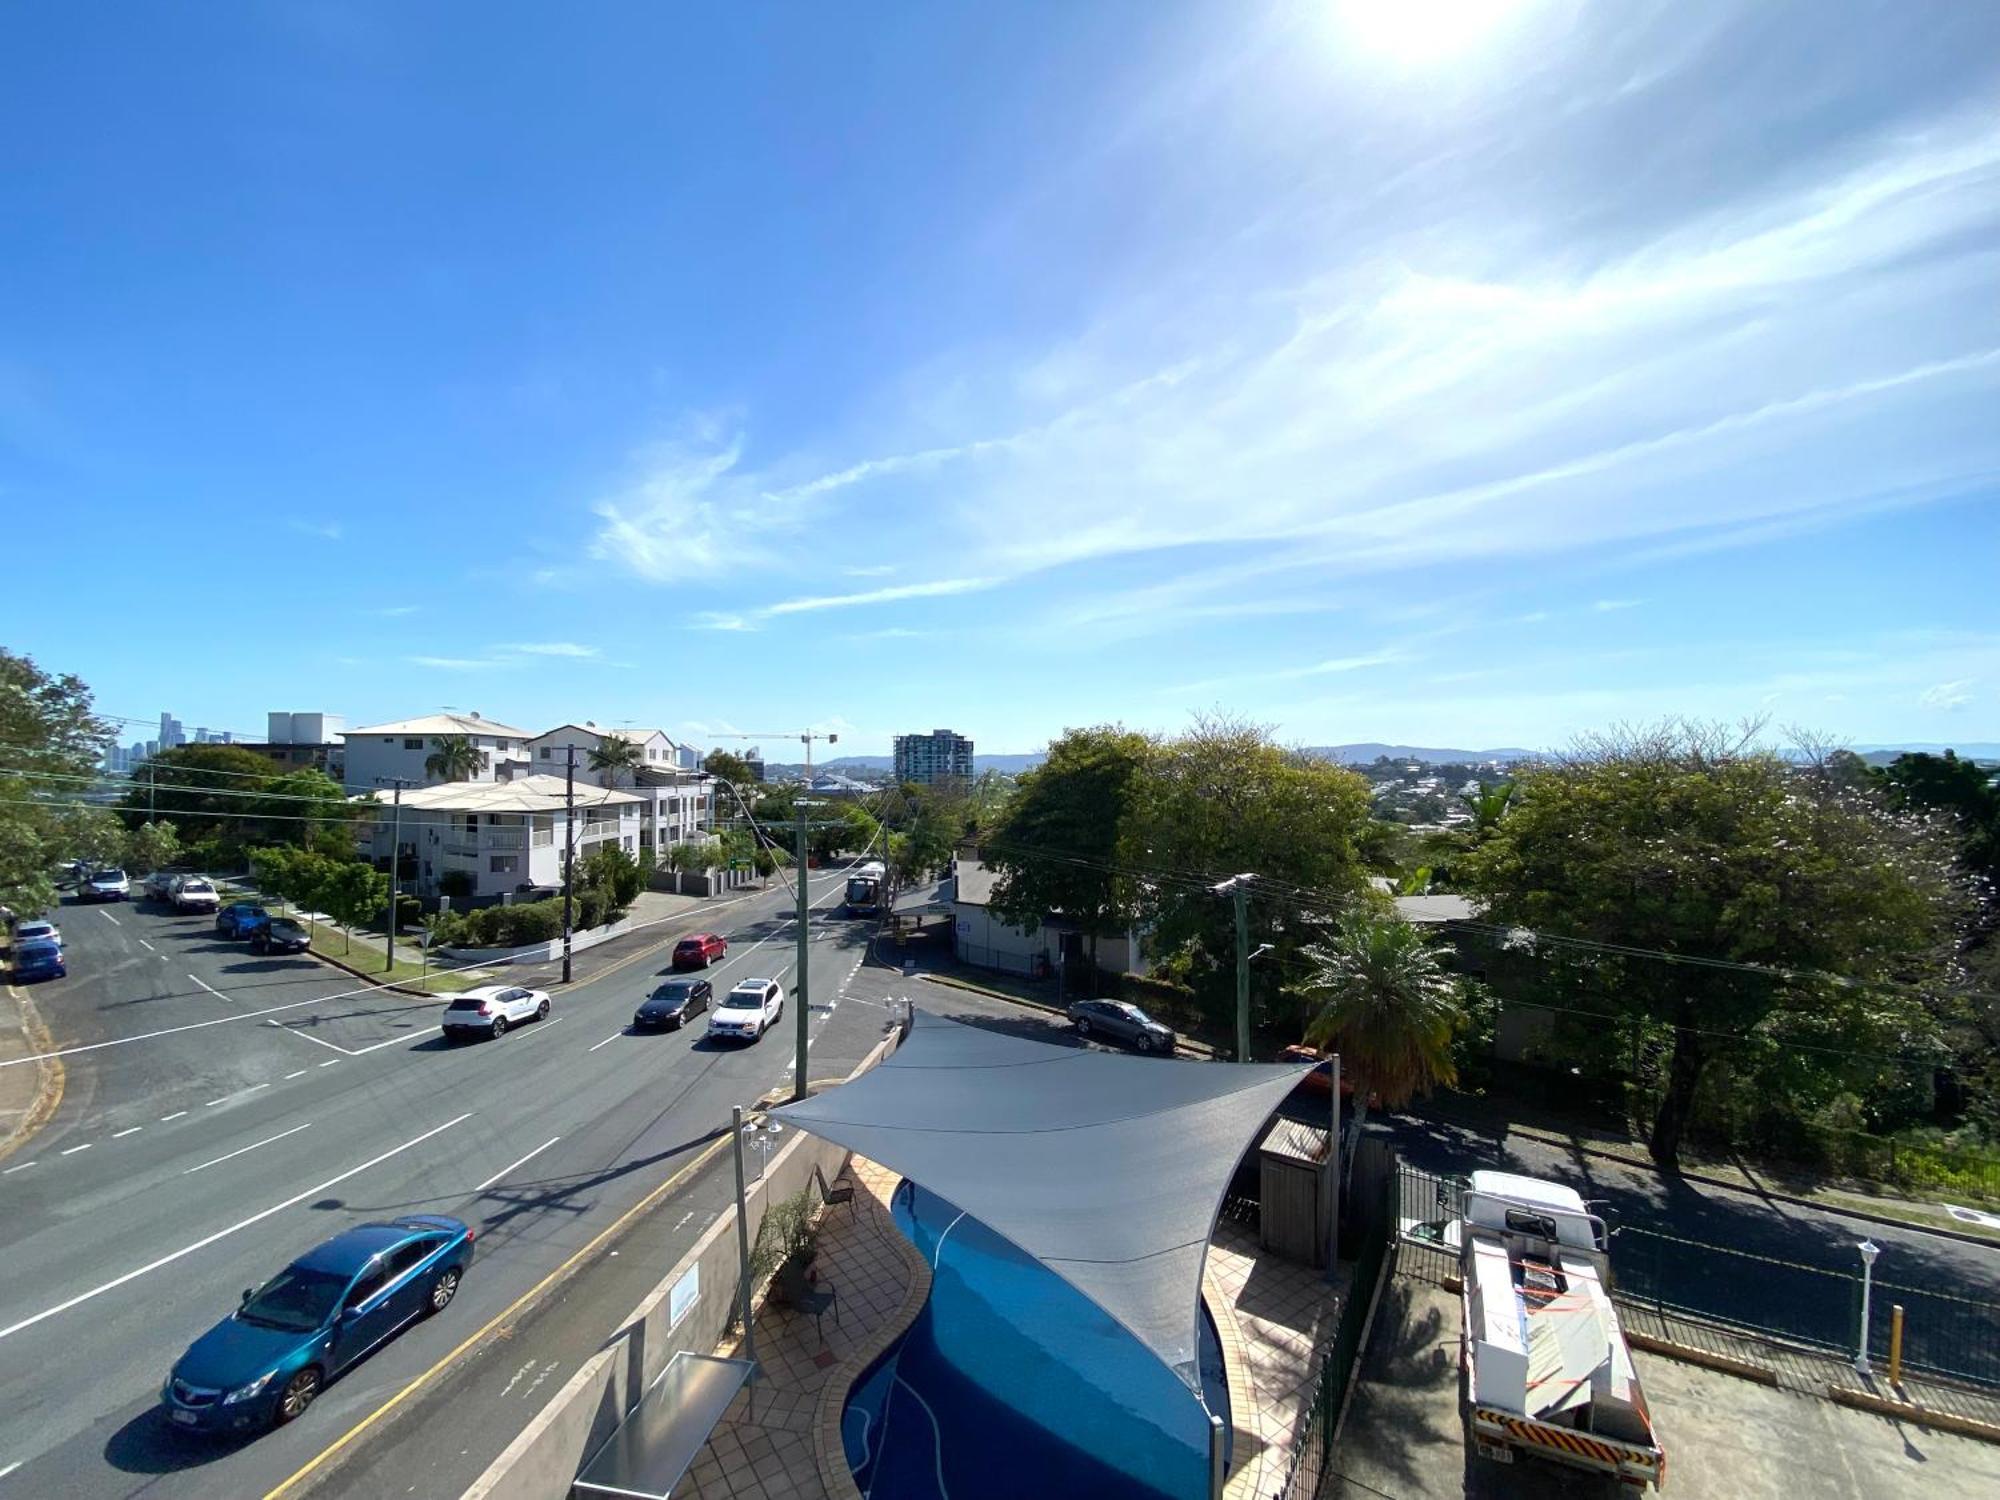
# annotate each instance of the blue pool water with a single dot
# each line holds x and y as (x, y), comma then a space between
(1012, 1383)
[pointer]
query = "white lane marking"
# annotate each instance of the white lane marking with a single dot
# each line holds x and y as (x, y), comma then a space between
(74, 1149)
(329, 1062)
(10, 1171)
(206, 1241)
(290, 1076)
(521, 1163)
(109, 918)
(606, 1042)
(10, 1468)
(147, 946)
(213, 990)
(256, 1086)
(392, 1041)
(308, 1037)
(252, 1147)
(123, 1133)
(174, 1116)
(223, 1100)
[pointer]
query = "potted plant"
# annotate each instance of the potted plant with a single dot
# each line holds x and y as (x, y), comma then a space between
(787, 1241)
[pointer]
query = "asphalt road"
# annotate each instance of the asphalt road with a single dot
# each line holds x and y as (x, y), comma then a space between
(224, 1113)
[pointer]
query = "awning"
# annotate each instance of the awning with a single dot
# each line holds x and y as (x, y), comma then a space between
(1108, 1169)
(661, 1437)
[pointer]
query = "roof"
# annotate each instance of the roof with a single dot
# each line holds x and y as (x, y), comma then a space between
(347, 1253)
(610, 731)
(974, 883)
(442, 724)
(1423, 909)
(1107, 1168)
(524, 794)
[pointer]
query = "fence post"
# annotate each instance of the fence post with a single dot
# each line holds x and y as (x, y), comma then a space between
(1896, 1345)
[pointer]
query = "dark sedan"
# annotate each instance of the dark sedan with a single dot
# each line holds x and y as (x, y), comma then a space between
(39, 959)
(1121, 1022)
(268, 1361)
(279, 935)
(673, 1004)
(238, 918)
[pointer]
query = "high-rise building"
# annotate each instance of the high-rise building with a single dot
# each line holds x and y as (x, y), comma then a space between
(941, 755)
(171, 733)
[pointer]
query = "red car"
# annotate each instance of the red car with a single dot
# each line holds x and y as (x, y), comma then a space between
(699, 951)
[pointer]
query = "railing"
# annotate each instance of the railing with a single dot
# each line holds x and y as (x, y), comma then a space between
(504, 840)
(543, 837)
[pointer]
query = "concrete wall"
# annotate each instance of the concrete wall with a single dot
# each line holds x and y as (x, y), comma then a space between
(536, 953)
(541, 1462)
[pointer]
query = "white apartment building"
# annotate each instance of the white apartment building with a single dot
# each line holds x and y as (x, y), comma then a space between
(379, 755)
(503, 834)
(941, 755)
(679, 804)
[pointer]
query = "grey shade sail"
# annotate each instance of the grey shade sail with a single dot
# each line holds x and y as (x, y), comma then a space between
(1108, 1169)
(662, 1436)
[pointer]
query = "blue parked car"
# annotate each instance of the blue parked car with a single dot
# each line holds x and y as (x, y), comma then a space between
(268, 1361)
(240, 919)
(38, 958)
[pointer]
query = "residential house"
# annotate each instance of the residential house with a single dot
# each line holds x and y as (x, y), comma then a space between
(678, 803)
(379, 755)
(502, 834)
(980, 937)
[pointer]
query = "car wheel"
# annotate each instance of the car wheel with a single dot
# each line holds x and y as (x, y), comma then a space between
(1082, 1028)
(542, 1011)
(299, 1393)
(499, 1026)
(443, 1290)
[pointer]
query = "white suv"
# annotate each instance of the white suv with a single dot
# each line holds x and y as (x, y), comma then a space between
(748, 1011)
(492, 1008)
(192, 893)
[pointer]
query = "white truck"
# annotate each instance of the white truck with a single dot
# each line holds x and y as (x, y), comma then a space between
(1545, 1365)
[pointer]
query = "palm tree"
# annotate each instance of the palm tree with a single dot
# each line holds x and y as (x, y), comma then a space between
(613, 755)
(455, 759)
(1488, 805)
(1382, 998)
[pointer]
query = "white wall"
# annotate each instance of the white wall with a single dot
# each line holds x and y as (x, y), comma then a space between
(374, 760)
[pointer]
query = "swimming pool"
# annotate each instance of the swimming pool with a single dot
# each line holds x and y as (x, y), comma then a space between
(1011, 1382)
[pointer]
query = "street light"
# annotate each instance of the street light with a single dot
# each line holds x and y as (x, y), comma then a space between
(1869, 1250)
(763, 1135)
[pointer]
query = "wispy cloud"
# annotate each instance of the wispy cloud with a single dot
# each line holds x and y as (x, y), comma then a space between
(326, 531)
(1333, 667)
(716, 619)
(873, 570)
(934, 589)
(395, 611)
(555, 648)
(1948, 696)
(455, 663)
(1609, 606)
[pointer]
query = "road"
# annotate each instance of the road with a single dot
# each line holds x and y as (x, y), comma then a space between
(223, 1113)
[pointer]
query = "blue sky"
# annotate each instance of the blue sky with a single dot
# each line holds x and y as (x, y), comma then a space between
(1460, 371)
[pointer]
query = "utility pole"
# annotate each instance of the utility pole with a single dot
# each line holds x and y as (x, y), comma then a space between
(395, 875)
(805, 953)
(569, 854)
(1237, 887)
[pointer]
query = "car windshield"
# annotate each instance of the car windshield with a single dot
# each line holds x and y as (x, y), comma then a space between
(285, 925)
(296, 1298)
(109, 875)
(1133, 1013)
(743, 1000)
(40, 948)
(198, 887)
(673, 992)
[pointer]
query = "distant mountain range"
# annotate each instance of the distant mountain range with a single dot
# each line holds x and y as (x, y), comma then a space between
(1368, 750)
(847, 765)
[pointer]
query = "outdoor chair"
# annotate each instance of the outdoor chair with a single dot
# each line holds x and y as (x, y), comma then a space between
(795, 1292)
(839, 1192)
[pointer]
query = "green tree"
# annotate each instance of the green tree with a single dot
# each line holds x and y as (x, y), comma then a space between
(208, 792)
(1963, 790)
(1056, 846)
(307, 806)
(836, 831)
(54, 743)
(1682, 839)
(1379, 994)
(456, 758)
(733, 769)
(354, 894)
(685, 859)
(611, 871)
(274, 867)
(153, 846)
(311, 883)
(615, 756)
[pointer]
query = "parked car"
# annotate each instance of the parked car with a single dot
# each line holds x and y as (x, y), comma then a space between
(699, 950)
(674, 1003)
(279, 935)
(106, 885)
(159, 885)
(747, 1011)
(1122, 1022)
(37, 930)
(529, 891)
(238, 918)
(491, 1009)
(265, 1363)
(39, 959)
(193, 893)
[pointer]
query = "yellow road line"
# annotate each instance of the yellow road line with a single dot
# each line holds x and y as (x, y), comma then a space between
(513, 1308)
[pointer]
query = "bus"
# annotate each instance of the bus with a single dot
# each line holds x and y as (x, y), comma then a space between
(867, 889)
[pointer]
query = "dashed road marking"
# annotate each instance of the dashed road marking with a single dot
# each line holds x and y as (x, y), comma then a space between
(521, 1163)
(174, 1116)
(300, 1074)
(147, 946)
(10, 1171)
(74, 1149)
(109, 918)
(606, 1042)
(123, 1133)
(213, 990)
(251, 1147)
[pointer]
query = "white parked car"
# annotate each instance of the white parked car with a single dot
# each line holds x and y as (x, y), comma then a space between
(491, 1009)
(747, 1011)
(37, 932)
(192, 893)
(106, 885)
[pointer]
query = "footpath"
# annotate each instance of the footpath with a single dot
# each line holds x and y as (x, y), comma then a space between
(29, 1094)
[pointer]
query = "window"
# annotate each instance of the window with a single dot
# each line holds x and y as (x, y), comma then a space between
(409, 1255)
(545, 752)
(369, 1284)
(413, 744)
(388, 739)
(503, 864)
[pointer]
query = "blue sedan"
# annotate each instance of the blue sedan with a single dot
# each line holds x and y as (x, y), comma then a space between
(266, 1362)
(39, 959)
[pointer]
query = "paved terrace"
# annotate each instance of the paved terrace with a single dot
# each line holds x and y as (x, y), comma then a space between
(1271, 1314)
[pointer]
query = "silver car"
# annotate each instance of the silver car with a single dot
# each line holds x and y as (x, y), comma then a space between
(1122, 1022)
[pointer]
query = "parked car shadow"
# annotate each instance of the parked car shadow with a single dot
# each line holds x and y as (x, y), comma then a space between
(148, 1444)
(269, 965)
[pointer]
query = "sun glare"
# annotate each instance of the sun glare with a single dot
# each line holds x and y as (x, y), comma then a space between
(1422, 31)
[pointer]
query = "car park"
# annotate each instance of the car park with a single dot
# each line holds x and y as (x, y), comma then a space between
(40, 959)
(279, 935)
(699, 950)
(673, 1004)
(238, 918)
(747, 1011)
(491, 1009)
(265, 1363)
(193, 893)
(1122, 1022)
(106, 885)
